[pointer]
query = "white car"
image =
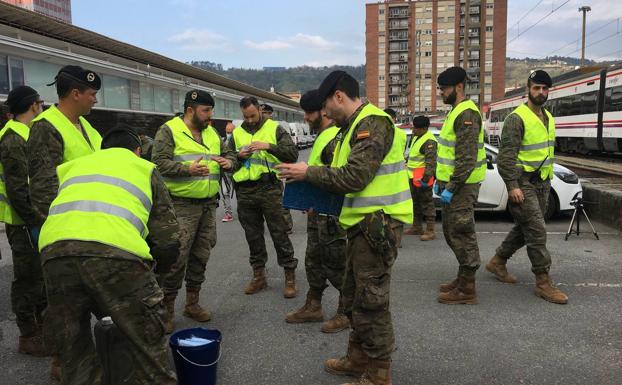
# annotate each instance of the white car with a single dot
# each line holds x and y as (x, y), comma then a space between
(493, 195)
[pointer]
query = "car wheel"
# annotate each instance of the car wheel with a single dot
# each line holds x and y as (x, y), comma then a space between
(552, 206)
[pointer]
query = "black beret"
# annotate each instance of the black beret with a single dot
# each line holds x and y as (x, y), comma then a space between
(541, 77)
(452, 76)
(125, 130)
(421, 121)
(310, 101)
(200, 97)
(77, 73)
(391, 112)
(327, 88)
(21, 95)
(266, 108)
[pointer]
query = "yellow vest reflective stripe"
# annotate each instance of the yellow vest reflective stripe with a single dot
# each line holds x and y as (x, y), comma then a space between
(260, 162)
(415, 158)
(322, 140)
(74, 144)
(105, 197)
(538, 143)
(8, 213)
(186, 151)
(447, 147)
(388, 190)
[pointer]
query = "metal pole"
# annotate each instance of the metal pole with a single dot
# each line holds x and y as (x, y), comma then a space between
(585, 9)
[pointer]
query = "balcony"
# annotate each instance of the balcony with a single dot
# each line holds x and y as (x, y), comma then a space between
(398, 37)
(398, 49)
(398, 71)
(401, 14)
(393, 26)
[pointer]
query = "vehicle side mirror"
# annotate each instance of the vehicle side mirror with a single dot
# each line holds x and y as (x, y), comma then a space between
(489, 164)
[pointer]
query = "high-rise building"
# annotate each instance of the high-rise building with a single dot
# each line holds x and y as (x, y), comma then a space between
(58, 9)
(409, 42)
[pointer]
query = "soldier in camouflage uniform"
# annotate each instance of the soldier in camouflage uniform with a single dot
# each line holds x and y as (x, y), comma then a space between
(461, 166)
(27, 290)
(195, 209)
(421, 190)
(85, 277)
(325, 258)
(261, 198)
(528, 132)
(375, 151)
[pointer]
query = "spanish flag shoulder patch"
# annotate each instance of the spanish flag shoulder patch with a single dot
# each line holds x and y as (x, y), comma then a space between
(362, 134)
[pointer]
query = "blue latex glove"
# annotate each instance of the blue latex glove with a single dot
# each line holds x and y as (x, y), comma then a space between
(424, 184)
(436, 189)
(446, 196)
(34, 233)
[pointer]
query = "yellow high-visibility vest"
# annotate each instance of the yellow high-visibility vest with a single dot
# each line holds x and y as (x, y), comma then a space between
(105, 197)
(260, 162)
(186, 151)
(388, 191)
(447, 147)
(415, 158)
(74, 143)
(7, 212)
(322, 140)
(537, 149)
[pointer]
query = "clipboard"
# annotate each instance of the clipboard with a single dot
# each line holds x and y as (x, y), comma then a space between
(303, 196)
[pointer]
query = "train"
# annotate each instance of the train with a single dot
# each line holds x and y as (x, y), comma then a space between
(586, 105)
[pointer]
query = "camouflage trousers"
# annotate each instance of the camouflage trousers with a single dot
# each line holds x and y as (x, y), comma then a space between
(256, 204)
(423, 204)
(459, 228)
(197, 225)
(27, 289)
(367, 284)
(125, 290)
(529, 227)
(325, 258)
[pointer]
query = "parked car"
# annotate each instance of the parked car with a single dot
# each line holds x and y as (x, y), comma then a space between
(493, 195)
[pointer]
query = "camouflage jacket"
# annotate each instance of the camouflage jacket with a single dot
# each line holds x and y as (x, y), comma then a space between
(15, 162)
(45, 150)
(467, 127)
(162, 154)
(371, 141)
(428, 150)
(511, 138)
(163, 237)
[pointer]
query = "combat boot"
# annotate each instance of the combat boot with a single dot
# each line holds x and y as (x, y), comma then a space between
(464, 293)
(193, 309)
(289, 291)
(546, 290)
(353, 364)
(311, 311)
(55, 369)
(32, 345)
(378, 373)
(428, 235)
(169, 319)
(447, 287)
(338, 323)
(497, 266)
(258, 282)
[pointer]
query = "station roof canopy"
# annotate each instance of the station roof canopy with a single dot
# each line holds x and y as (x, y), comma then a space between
(43, 25)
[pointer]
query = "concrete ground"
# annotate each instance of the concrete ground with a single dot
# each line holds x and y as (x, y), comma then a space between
(510, 337)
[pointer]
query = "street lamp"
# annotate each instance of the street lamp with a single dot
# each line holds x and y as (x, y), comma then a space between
(585, 9)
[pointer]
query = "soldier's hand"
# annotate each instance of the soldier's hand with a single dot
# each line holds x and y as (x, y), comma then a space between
(258, 146)
(245, 152)
(516, 196)
(198, 169)
(292, 171)
(225, 164)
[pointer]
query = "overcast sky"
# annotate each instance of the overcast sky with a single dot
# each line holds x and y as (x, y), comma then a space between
(254, 34)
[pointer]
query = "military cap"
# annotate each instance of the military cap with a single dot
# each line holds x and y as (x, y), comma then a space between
(21, 95)
(421, 121)
(200, 97)
(310, 101)
(452, 76)
(541, 77)
(266, 107)
(124, 130)
(79, 74)
(391, 112)
(329, 84)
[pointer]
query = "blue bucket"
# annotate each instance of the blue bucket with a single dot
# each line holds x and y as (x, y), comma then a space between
(196, 365)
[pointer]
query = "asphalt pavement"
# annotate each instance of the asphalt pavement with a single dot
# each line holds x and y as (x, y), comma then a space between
(510, 337)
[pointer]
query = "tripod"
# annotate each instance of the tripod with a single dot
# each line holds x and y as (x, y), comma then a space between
(577, 202)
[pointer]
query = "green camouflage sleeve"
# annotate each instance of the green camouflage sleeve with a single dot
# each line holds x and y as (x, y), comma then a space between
(163, 227)
(370, 143)
(511, 138)
(428, 150)
(15, 164)
(45, 153)
(162, 154)
(230, 154)
(466, 126)
(285, 149)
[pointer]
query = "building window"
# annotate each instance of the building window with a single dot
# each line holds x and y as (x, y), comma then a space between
(490, 5)
(38, 74)
(381, 77)
(488, 29)
(381, 11)
(428, 53)
(163, 99)
(116, 92)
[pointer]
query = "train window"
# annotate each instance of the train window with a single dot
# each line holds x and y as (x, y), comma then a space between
(576, 105)
(613, 99)
(17, 72)
(588, 103)
(564, 106)
(4, 76)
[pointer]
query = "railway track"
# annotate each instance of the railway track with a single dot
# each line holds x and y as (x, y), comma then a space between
(592, 165)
